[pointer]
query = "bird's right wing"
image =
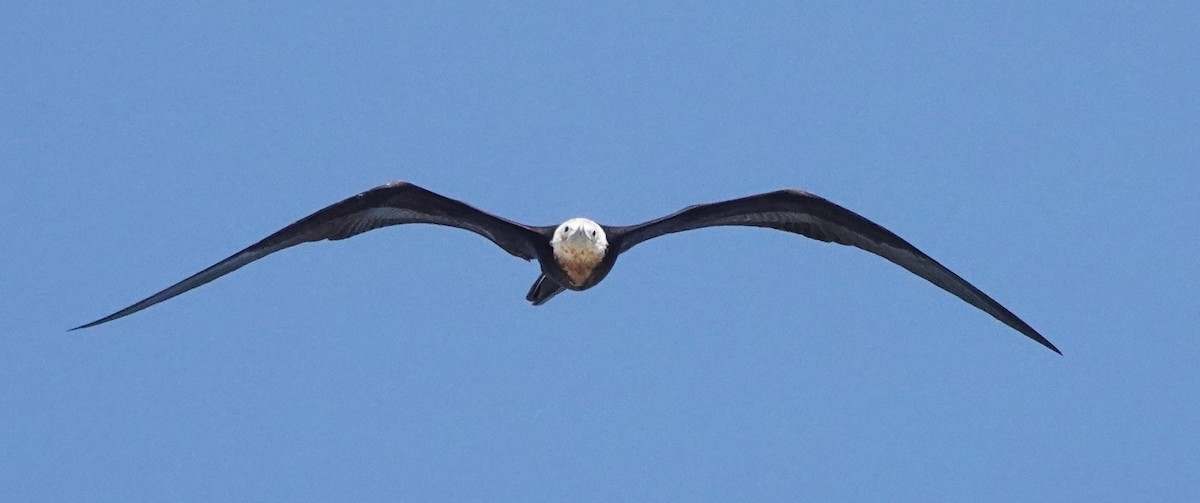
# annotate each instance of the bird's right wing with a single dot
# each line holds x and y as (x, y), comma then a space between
(810, 215)
(391, 204)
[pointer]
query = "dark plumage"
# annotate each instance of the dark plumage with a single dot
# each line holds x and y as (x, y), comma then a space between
(579, 253)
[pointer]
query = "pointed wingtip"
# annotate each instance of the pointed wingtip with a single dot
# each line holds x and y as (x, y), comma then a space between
(1045, 342)
(94, 323)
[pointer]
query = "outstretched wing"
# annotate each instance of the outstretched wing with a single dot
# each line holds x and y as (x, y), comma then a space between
(391, 204)
(812, 216)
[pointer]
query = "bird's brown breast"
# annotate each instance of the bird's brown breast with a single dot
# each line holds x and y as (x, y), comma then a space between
(579, 265)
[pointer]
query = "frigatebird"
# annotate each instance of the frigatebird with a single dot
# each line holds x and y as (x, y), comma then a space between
(579, 253)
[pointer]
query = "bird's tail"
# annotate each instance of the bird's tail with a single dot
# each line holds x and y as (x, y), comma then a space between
(543, 290)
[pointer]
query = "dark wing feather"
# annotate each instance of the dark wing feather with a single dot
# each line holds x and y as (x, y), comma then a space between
(812, 216)
(391, 204)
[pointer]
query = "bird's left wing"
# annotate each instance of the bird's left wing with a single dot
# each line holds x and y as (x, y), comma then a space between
(391, 204)
(815, 217)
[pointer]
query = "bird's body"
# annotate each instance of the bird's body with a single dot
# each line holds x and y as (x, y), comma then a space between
(579, 253)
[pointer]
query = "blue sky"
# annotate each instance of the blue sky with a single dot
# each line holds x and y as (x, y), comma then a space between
(1045, 151)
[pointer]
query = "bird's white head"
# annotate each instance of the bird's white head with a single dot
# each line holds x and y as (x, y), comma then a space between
(579, 237)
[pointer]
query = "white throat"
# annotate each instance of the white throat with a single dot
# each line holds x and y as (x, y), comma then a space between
(579, 235)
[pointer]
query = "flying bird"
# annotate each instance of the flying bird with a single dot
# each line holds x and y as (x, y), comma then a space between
(579, 253)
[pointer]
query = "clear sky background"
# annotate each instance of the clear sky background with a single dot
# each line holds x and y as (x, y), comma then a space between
(1046, 151)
